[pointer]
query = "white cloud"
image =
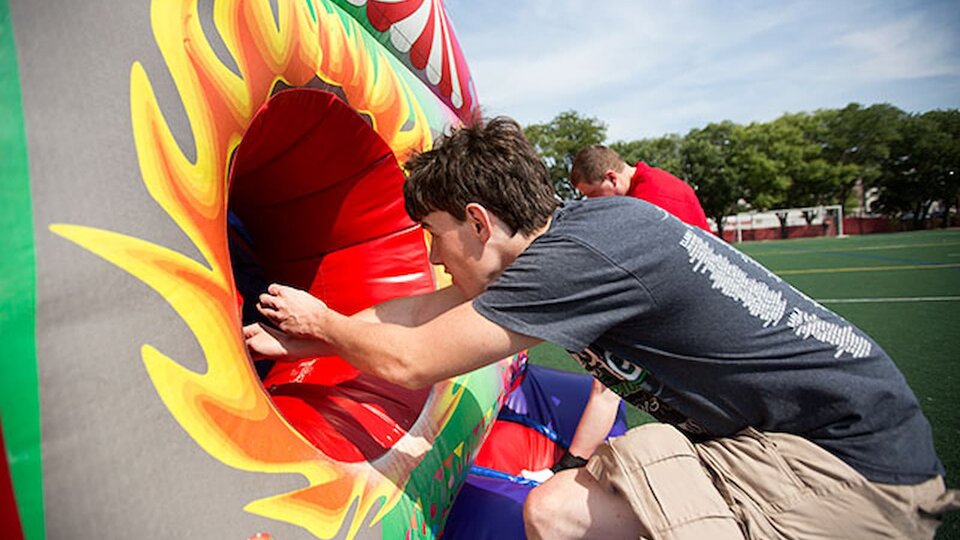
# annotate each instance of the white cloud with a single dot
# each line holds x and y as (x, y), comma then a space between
(903, 49)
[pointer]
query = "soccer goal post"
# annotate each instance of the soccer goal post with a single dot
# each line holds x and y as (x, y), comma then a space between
(825, 220)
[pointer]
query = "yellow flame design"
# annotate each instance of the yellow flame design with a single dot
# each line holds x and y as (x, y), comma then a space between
(224, 409)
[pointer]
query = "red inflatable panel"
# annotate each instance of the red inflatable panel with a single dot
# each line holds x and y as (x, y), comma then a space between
(326, 220)
(10, 527)
(319, 195)
(358, 419)
(313, 137)
(336, 185)
(363, 275)
(517, 447)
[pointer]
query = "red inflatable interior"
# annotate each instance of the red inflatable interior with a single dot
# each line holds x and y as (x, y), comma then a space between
(515, 447)
(319, 195)
(10, 527)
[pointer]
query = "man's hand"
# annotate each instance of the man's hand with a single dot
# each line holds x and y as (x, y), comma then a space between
(264, 342)
(294, 311)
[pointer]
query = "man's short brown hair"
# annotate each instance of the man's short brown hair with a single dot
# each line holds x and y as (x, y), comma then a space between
(592, 161)
(490, 163)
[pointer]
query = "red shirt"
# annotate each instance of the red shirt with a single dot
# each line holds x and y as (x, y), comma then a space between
(668, 192)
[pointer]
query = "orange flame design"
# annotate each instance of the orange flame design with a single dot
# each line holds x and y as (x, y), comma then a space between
(224, 409)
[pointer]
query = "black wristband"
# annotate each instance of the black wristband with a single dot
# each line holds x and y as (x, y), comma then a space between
(568, 461)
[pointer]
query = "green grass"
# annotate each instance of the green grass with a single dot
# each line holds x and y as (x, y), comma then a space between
(904, 290)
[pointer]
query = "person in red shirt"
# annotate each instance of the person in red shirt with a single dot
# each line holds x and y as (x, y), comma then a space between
(600, 172)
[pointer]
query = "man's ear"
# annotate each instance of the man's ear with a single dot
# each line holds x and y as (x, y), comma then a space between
(480, 220)
(620, 183)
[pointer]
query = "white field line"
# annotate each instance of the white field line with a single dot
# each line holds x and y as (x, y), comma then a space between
(886, 300)
(933, 266)
(858, 248)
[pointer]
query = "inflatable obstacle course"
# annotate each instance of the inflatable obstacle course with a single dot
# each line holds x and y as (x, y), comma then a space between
(133, 130)
(161, 162)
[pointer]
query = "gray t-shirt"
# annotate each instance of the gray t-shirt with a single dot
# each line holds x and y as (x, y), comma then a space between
(699, 335)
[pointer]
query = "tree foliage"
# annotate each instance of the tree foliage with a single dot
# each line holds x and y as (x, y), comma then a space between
(662, 152)
(922, 166)
(804, 176)
(558, 142)
(710, 156)
(861, 137)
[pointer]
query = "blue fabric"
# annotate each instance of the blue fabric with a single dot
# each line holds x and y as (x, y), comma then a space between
(490, 503)
(487, 509)
(551, 402)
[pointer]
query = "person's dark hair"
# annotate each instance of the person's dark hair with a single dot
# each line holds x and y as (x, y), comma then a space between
(490, 163)
(592, 161)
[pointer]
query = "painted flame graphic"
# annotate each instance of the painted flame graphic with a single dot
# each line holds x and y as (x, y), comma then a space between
(224, 409)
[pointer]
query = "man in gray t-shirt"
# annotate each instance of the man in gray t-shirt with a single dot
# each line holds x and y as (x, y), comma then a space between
(701, 336)
(781, 420)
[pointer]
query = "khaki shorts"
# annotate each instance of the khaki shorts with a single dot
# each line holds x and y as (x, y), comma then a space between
(759, 486)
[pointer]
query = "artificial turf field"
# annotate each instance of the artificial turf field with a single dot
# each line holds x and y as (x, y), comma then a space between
(903, 289)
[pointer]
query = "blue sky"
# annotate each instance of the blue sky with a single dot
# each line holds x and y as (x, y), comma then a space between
(648, 68)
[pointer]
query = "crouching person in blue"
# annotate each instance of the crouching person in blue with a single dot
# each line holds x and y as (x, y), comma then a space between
(779, 419)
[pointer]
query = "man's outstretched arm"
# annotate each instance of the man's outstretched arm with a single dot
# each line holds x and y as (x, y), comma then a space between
(409, 352)
(265, 342)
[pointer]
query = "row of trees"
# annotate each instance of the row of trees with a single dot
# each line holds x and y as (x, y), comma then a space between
(798, 160)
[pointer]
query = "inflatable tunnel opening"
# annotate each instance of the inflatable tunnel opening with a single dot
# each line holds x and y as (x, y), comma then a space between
(316, 202)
